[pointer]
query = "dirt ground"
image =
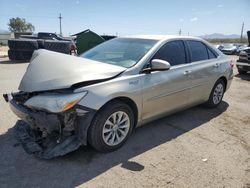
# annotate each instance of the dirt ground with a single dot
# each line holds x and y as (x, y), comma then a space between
(198, 147)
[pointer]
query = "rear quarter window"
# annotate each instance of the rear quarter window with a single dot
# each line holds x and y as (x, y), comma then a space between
(211, 54)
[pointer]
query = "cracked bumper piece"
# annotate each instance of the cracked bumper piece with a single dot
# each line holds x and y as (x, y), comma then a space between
(31, 145)
(48, 135)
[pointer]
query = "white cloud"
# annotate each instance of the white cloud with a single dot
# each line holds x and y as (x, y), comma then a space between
(220, 6)
(181, 20)
(193, 19)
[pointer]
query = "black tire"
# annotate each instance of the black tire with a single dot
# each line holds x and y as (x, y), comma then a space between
(20, 55)
(23, 44)
(58, 46)
(242, 71)
(40, 43)
(211, 102)
(95, 131)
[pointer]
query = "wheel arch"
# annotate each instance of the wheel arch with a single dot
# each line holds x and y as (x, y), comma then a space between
(208, 103)
(224, 80)
(129, 102)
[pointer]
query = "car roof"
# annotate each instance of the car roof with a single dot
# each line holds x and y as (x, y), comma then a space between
(161, 37)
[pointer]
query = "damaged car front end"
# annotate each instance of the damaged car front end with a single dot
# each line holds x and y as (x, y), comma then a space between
(50, 123)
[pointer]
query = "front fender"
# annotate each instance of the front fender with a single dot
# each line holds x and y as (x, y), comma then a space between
(101, 93)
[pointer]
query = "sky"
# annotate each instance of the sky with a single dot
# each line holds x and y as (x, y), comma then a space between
(128, 17)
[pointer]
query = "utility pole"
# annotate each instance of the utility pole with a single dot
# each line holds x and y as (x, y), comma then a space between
(180, 32)
(60, 20)
(241, 35)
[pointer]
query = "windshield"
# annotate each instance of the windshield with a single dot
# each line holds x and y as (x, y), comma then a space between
(125, 52)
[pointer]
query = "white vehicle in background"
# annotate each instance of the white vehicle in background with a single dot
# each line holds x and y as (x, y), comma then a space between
(229, 49)
(242, 47)
(218, 46)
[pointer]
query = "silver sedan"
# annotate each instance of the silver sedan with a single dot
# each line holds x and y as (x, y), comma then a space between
(100, 97)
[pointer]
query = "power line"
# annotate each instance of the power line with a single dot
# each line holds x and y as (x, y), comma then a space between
(60, 20)
(180, 32)
(241, 34)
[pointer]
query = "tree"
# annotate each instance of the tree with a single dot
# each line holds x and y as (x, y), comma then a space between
(20, 25)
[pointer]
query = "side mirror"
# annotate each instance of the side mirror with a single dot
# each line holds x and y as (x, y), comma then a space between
(157, 65)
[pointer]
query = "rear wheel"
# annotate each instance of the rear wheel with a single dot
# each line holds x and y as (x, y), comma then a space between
(111, 127)
(216, 94)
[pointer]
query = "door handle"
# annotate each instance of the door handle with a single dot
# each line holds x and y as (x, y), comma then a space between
(187, 72)
(216, 65)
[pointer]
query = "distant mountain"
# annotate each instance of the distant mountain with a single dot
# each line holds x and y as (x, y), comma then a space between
(220, 36)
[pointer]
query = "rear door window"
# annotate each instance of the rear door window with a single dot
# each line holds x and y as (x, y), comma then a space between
(198, 51)
(173, 52)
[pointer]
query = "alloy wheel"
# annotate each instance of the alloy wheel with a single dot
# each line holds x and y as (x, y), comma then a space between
(116, 128)
(218, 93)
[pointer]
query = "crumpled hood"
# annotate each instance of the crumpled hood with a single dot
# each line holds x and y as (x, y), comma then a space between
(51, 70)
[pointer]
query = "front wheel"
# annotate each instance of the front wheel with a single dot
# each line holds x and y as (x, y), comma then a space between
(111, 127)
(216, 94)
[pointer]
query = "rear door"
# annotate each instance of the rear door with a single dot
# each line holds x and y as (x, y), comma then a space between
(166, 91)
(205, 70)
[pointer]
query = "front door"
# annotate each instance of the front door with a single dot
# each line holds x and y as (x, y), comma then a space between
(166, 91)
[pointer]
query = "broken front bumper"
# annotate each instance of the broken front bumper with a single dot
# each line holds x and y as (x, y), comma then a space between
(48, 135)
(33, 145)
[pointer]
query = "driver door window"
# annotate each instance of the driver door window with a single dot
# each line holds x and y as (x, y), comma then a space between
(173, 52)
